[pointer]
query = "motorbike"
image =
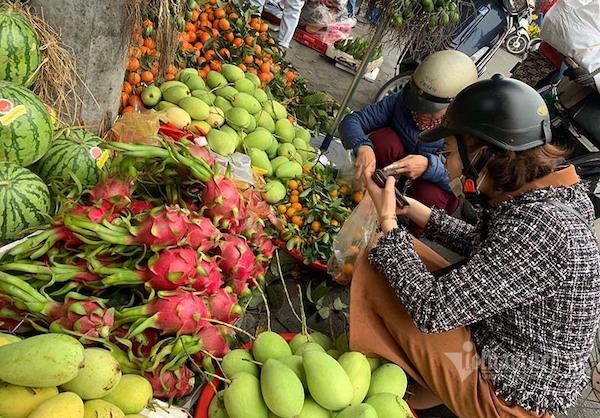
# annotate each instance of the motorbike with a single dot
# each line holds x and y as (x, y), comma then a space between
(525, 35)
(483, 28)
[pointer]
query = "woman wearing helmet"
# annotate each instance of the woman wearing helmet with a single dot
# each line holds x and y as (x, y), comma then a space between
(508, 331)
(386, 133)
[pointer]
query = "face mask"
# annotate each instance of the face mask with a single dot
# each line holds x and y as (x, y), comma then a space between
(423, 126)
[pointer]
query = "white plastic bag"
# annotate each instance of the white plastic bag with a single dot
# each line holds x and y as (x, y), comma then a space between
(572, 27)
(352, 240)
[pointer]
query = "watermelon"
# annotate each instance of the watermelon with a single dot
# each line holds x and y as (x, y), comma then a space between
(76, 152)
(24, 201)
(20, 54)
(25, 127)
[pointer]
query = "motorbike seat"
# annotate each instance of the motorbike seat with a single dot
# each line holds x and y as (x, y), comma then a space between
(585, 115)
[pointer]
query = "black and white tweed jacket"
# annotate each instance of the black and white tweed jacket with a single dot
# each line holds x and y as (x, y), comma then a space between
(530, 292)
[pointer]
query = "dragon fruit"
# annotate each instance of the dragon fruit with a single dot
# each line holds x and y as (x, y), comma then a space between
(214, 342)
(223, 305)
(208, 278)
(116, 191)
(202, 234)
(171, 268)
(164, 226)
(98, 212)
(88, 317)
(141, 345)
(169, 384)
(138, 206)
(236, 258)
(12, 318)
(223, 203)
(176, 312)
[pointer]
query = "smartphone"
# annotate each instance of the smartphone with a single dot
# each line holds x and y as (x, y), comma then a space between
(379, 178)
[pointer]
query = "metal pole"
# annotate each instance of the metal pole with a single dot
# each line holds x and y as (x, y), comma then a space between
(360, 72)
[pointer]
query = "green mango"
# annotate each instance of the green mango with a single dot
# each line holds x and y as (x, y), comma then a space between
(287, 171)
(162, 105)
(328, 383)
(260, 138)
(195, 82)
(247, 102)
(334, 353)
(264, 120)
(260, 95)
(311, 345)
(227, 92)
(358, 370)
(268, 345)
(273, 192)
(176, 93)
(272, 150)
(98, 408)
(239, 360)
(215, 79)
(275, 109)
(216, 117)
(284, 130)
(232, 72)
(321, 339)
(237, 118)
(99, 375)
(358, 411)
(184, 74)
(244, 85)
(254, 78)
(168, 84)
(216, 408)
(374, 362)
(221, 142)
(282, 390)
(311, 409)
(243, 398)
(388, 405)
(275, 163)
(222, 103)
(388, 378)
(131, 395)
(303, 133)
(299, 339)
(295, 363)
(260, 159)
(205, 95)
(199, 127)
(195, 107)
(286, 150)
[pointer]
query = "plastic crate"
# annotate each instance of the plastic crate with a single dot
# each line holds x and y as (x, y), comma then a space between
(310, 41)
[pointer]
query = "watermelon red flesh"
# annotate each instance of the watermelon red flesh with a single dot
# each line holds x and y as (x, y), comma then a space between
(70, 153)
(24, 201)
(19, 48)
(25, 139)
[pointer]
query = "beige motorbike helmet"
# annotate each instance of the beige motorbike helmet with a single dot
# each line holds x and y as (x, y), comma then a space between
(437, 80)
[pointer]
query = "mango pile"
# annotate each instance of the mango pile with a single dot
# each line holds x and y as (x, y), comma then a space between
(305, 378)
(235, 114)
(54, 376)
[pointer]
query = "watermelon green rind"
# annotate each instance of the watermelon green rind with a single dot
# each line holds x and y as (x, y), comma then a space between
(24, 201)
(70, 153)
(27, 138)
(20, 54)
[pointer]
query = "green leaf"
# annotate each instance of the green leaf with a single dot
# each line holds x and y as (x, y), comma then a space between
(338, 305)
(290, 244)
(275, 296)
(324, 312)
(319, 292)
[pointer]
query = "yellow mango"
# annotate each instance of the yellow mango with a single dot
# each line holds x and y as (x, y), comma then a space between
(328, 382)
(281, 389)
(357, 367)
(97, 408)
(131, 395)
(8, 339)
(66, 404)
(100, 374)
(19, 401)
(243, 398)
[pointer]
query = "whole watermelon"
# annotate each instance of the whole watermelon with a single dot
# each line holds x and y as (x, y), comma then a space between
(25, 125)
(76, 152)
(25, 201)
(20, 54)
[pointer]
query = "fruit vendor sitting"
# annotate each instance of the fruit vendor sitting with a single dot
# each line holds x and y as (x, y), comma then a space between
(386, 133)
(508, 331)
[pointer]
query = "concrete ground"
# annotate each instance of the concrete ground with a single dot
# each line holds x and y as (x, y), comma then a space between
(321, 74)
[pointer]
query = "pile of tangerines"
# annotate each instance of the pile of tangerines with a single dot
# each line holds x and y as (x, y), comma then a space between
(212, 35)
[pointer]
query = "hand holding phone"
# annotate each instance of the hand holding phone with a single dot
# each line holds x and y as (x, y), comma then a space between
(379, 177)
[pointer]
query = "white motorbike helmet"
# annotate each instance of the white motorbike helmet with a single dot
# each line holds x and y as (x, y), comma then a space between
(437, 80)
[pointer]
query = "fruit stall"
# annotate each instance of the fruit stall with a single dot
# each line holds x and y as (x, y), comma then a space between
(139, 261)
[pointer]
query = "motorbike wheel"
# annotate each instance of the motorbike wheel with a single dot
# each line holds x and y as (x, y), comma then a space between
(393, 86)
(516, 44)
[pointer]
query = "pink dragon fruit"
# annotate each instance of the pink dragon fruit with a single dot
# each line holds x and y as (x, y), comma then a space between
(214, 342)
(223, 203)
(85, 316)
(141, 345)
(12, 319)
(171, 268)
(236, 258)
(138, 206)
(103, 210)
(176, 312)
(114, 190)
(164, 226)
(202, 234)
(223, 305)
(208, 278)
(169, 384)
(200, 152)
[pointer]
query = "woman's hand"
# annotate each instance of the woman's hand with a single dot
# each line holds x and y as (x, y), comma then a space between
(384, 200)
(412, 166)
(365, 159)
